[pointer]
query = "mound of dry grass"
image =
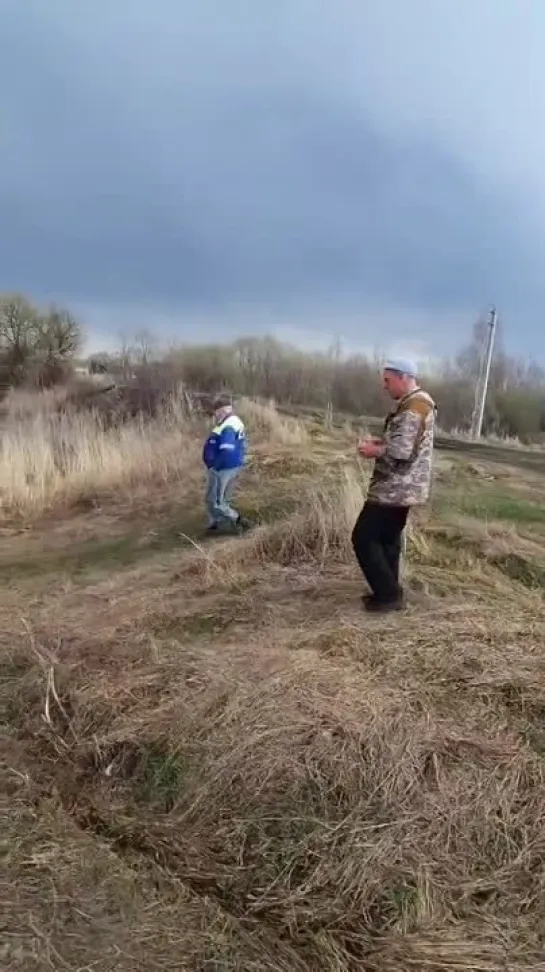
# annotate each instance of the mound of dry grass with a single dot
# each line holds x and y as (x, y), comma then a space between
(355, 819)
(320, 530)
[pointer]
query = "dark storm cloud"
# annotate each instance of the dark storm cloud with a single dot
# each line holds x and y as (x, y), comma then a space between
(163, 153)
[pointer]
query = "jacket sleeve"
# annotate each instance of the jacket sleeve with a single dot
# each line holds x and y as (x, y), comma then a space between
(405, 430)
(227, 443)
(208, 451)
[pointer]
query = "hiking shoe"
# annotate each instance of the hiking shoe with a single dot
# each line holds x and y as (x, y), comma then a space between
(384, 607)
(212, 528)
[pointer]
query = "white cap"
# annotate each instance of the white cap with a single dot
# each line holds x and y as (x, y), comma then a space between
(403, 366)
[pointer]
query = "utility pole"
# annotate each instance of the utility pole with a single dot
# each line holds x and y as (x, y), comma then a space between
(484, 377)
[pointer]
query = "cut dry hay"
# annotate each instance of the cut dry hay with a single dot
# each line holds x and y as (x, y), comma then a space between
(342, 814)
(320, 530)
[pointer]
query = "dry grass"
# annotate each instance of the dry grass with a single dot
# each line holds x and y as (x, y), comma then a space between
(506, 441)
(22, 403)
(215, 761)
(50, 459)
(319, 532)
(26, 403)
(265, 419)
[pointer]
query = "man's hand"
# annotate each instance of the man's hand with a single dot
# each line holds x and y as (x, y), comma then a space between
(370, 448)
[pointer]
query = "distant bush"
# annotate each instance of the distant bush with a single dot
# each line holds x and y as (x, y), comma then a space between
(350, 384)
(38, 347)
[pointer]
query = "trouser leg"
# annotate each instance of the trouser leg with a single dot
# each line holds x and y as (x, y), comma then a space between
(376, 540)
(393, 527)
(211, 497)
(226, 479)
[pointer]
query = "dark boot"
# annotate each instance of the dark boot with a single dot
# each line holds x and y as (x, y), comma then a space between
(385, 607)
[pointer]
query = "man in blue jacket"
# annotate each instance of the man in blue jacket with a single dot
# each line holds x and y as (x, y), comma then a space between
(224, 455)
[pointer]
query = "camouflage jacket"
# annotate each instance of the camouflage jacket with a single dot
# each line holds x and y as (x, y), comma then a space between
(402, 475)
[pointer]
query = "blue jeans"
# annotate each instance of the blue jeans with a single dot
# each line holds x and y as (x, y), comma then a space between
(219, 488)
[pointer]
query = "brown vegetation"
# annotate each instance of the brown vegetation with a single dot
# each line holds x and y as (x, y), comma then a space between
(37, 348)
(214, 761)
(37, 345)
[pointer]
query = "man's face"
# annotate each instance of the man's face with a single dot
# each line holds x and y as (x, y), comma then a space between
(395, 384)
(221, 413)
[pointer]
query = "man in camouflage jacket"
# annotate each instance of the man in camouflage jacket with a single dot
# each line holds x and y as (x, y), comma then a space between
(401, 479)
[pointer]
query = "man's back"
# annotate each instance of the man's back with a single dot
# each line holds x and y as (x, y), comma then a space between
(225, 447)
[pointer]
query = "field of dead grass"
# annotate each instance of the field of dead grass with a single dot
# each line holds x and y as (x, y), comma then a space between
(49, 460)
(215, 762)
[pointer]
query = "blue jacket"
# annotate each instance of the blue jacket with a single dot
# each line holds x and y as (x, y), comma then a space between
(225, 447)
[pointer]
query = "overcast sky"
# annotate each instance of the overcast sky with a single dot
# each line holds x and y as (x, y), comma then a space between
(371, 169)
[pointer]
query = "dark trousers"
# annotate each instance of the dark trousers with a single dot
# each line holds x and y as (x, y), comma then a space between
(376, 540)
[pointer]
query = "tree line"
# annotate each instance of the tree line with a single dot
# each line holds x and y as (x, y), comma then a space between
(37, 344)
(39, 347)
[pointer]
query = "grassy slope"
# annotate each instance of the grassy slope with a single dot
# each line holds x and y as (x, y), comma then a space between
(215, 761)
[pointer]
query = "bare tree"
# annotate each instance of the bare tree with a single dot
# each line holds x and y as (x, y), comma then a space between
(144, 348)
(35, 344)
